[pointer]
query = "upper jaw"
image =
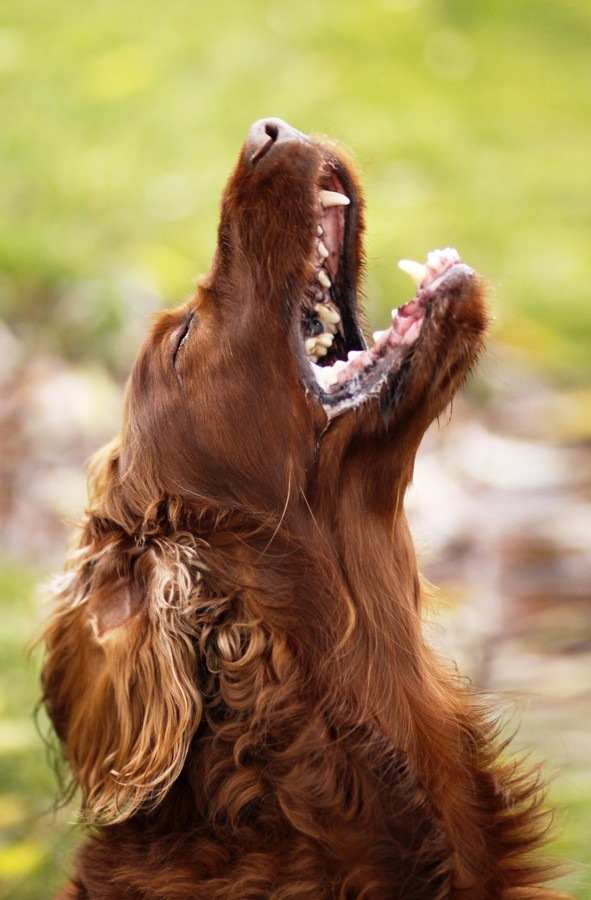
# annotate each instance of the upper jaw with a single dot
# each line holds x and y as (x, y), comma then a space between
(327, 325)
(329, 315)
(310, 180)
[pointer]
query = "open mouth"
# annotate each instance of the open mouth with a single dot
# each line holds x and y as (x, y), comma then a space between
(338, 367)
(322, 324)
(346, 371)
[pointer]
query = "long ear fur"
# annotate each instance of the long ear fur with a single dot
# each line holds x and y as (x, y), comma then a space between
(120, 673)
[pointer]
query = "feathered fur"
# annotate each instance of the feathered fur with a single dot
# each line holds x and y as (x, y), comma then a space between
(235, 664)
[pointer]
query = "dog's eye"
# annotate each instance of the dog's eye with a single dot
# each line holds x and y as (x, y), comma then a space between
(182, 335)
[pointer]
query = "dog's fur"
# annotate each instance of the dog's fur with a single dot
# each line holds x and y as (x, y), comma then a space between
(235, 665)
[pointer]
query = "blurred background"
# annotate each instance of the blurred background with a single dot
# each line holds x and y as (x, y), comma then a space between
(471, 124)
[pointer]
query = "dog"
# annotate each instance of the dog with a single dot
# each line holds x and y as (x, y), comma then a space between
(235, 666)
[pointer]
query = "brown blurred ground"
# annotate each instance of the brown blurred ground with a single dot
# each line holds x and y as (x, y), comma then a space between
(501, 506)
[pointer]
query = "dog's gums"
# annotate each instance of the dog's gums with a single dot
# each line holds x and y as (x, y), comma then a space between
(235, 665)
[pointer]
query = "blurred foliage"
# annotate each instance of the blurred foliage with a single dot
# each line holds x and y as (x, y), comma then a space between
(119, 127)
(34, 837)
(120, 124)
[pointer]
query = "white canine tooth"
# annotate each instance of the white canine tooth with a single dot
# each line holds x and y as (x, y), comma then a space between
(331, 377)
(353, 354)
(333, 198)
(416, 270)
(327, 314)
(322, 251)
(320, 349)
(340, 364)
(394, 313)
(325, 339)
(319, 230)
(324, 279)
(377, 335)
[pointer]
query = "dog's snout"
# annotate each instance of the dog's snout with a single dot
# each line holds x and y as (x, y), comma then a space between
(264, 134)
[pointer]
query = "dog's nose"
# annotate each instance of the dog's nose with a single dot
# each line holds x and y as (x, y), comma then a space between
(266, 132)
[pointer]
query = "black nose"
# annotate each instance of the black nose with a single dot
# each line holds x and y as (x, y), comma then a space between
(266, 132)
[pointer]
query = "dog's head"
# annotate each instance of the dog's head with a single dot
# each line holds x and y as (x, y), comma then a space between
(238, 394)
(257, 408)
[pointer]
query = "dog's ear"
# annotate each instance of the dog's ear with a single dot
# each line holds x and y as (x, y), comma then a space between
(120, 675)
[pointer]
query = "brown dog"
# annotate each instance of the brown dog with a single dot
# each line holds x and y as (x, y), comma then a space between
(235, 664)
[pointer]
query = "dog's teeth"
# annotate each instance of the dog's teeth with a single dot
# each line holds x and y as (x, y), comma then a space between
(324, 279)
(331, 376)
(394, 313)
(322, 251)
(416, 270)
(317, 346)
(320, 230)
(325, 340)
(340, 364)
(327, 314)
(353, 354)
(310, 347)
(333, 198)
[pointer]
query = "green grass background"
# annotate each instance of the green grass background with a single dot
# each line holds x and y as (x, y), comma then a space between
(119, 123)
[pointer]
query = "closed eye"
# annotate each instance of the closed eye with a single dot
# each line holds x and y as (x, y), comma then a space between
(182, 335)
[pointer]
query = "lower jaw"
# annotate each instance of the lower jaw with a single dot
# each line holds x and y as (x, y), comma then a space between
(346, 384)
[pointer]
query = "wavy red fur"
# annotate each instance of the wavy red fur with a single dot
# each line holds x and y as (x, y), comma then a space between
(235, 663)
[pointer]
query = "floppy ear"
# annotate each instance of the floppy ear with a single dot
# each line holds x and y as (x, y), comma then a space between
(120, 673)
